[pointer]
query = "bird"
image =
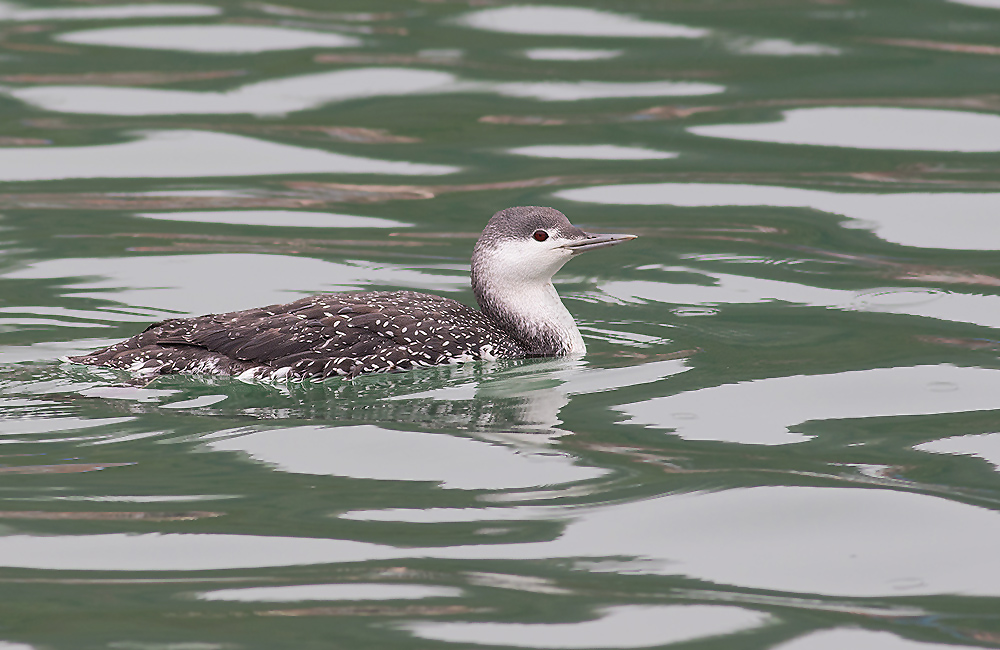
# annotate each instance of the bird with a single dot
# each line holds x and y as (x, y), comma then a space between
(355, 333)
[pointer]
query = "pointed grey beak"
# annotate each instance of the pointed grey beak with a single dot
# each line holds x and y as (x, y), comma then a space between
(595, 241)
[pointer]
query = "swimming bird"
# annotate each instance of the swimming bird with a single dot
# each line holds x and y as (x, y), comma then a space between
(359, 332)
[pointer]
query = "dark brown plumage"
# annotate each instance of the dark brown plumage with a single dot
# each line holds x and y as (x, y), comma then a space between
(321, 336)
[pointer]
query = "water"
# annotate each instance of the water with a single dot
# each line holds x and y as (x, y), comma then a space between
(785, 435)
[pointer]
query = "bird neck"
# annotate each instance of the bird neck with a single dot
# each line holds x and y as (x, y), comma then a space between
(531, 313)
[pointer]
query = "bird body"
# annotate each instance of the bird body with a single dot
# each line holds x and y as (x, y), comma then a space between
(361, 332)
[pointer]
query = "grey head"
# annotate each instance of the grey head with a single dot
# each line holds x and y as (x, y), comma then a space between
(524, 223)
(513, 263)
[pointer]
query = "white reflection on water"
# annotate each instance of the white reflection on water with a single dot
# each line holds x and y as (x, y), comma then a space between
(197, 402)
(591, 152)
(985, 446)
(623, 626)
(281, 96)
(11, 11)
(573, 21)
(280, 218)
(14, 322)
(238, 280)
(460, 515)
(584, 381)
(735, 289)
(49, 424)
(985, 4)
(273, 97)
(531, 584)
(828, 541)
(371, 452)
(144, 498)
(569, 54)
(180, 552)
(84, 314)
(10, 645)
(954, 220)
(214, 39)
(848, 637)
(779, 47)
(760, 412)
(48, 350)
(350, 591)
(189, 154)
(568, 91)
(127, 393)
(543, 388)
(904, 129)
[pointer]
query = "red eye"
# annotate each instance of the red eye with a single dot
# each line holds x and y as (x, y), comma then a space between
(540, 235)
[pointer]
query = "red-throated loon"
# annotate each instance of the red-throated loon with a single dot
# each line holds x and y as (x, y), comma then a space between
(359, 332)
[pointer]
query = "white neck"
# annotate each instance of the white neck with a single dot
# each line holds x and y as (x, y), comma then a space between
(536, 315)
(527, 307)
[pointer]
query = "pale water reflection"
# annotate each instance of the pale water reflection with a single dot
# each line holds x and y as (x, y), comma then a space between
(239, 280)
(829, 541)
(956, 220)
(541, 391)
(350, 591)
(10, 645)
(852, 637)
(566, 91)
(189, 154)
(985, 4)
(138, 498)
(180, 552)
(598, 380)
(623, 626)
(984, 445)
(904, 129)
(12, 11)
(778, 47)
(280, 218)
(591, 152)
(721, 289)
(569, 54)
(764, 411)
(371, 452)
(50, 424)
(197, 402)
(212, 39)
(69, 315)
(280, 96)
(573, 21)
(461, 515)
(48, 350)
(272, 97)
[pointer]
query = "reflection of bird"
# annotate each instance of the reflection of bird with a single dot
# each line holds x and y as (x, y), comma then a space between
(361, 332)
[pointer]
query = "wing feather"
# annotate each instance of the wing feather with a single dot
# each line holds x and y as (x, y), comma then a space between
(348, 334)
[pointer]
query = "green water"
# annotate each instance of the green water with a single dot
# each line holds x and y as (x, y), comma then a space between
(785, 432)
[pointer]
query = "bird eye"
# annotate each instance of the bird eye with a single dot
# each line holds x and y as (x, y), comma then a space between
(540, 235)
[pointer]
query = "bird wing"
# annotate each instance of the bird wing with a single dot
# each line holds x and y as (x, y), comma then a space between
(344, 334)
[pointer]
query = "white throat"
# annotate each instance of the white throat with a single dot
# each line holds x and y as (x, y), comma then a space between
(522, 299)
(542, 315)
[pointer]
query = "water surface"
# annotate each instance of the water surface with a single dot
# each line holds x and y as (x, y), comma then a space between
(786, 433)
